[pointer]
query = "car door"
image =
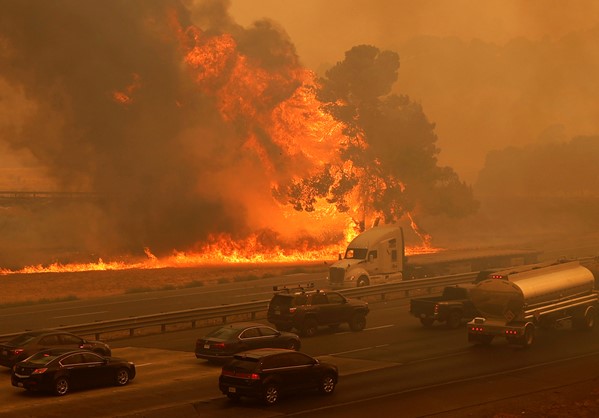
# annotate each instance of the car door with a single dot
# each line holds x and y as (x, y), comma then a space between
(250, 338)
(270, 338)
(84, 369)
(47, 341)
(74, 370)
(299, 372)
(281, 370)
(70, 341)
(340, 309)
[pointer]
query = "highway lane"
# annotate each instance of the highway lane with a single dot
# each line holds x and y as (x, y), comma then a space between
(393, 359)
(19, 318)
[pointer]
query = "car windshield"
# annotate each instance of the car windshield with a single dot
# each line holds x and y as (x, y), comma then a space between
(42, 358)
(21, 339)
(223, 333)
(356, 253)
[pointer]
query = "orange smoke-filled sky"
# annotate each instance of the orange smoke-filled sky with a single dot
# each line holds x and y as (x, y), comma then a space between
(323, 30)
(490, 74)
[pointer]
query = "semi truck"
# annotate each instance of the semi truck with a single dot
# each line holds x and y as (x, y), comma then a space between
(377, 255)
(514, 303)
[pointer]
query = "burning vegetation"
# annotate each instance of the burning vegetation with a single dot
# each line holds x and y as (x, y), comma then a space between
(210, 142)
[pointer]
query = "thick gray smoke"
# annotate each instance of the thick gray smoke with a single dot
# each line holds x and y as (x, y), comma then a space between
(117, 113)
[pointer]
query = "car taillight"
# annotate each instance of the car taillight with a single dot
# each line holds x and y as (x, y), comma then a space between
(241, 375)
(436, 308)
(39, 371)
(17, 351)
(218, 346)
(476, 329)
(291, 310)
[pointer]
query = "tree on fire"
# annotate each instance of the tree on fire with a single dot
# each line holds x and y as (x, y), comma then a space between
(390, 156)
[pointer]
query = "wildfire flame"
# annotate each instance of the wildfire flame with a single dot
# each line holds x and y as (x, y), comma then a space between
(306, 137)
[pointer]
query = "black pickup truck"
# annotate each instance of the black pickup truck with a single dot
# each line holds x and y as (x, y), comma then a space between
(452, 307)
(306, 309)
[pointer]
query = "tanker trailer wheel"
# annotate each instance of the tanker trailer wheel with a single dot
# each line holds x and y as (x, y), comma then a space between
(363, 281)
(529, 335)
(586, 322)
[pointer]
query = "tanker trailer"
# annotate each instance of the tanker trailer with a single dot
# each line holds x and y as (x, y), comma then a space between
(514, 305)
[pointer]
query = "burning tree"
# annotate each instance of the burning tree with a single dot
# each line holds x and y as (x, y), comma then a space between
(389, 156)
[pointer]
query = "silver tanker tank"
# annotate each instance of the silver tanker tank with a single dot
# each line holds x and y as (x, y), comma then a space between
(510, 297)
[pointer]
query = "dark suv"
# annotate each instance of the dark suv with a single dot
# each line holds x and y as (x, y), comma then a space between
(268, 373)
(305, 309)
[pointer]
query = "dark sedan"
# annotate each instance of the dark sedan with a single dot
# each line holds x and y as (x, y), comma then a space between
(30, 342)
(267, 374)
(59, 371)
(224, 342)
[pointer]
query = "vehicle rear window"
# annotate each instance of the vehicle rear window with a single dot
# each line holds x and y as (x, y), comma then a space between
(282, 300)
(42, 358)
(223, 333)
(245, 363)
(21, 339)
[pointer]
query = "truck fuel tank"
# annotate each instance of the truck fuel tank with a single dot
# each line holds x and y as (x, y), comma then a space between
(510, 296)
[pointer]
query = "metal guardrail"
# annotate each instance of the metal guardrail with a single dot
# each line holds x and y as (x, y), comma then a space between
(395, 290)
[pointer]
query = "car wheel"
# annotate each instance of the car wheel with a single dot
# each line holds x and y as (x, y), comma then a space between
(327, 384)
(271, 394)
(362, 281)
(122, 377)
(357, 322)
(293, 345)
(61, 386)
(310, 327)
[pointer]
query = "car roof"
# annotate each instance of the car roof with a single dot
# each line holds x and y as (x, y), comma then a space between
(259, 353)
(38, 332)
(62, 352)
(239, 325)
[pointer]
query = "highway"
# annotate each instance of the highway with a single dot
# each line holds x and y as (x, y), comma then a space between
(394, 367)
(393, 359)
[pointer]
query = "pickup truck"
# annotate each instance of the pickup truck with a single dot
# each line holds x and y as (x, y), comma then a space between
(452, 307)
(306, 309)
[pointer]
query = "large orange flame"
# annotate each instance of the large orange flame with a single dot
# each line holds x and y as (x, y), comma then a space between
(307, 137)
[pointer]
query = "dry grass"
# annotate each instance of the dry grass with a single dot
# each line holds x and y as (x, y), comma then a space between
(18, 289)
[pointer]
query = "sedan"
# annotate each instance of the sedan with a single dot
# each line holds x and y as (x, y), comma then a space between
(269, 373)
(224, 342)
(30, 342)
(59, 370)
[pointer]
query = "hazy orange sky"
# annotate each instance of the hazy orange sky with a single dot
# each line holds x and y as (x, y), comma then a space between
(467, 109)
(323, 30)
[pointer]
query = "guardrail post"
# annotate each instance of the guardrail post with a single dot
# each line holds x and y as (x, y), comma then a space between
(193, 324)
(97, 335)
(131, 332)
(163, 328)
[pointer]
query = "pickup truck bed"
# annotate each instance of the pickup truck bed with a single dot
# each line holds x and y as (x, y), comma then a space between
(452, 307)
